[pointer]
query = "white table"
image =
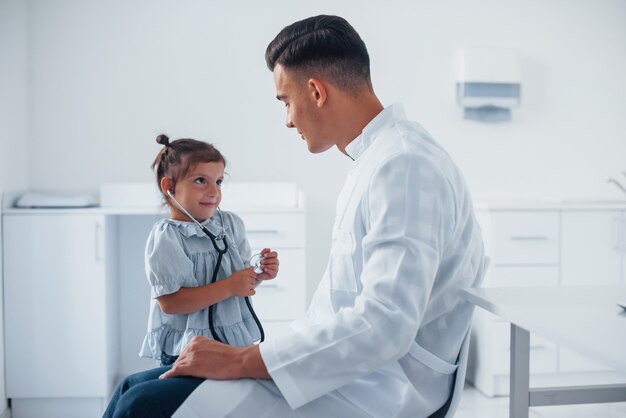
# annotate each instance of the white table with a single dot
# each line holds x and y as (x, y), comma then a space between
(585, 319)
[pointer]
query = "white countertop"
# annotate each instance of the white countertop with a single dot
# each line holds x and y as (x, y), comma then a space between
(139, 210)
(487, 204)
(238, 199)
(144, 199)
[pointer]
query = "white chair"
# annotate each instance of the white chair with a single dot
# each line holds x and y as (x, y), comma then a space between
(449, 408)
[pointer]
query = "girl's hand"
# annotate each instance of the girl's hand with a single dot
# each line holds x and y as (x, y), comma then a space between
(242, 283)
(269, 264)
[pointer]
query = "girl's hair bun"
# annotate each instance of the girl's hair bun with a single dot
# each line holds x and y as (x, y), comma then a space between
(163, 140)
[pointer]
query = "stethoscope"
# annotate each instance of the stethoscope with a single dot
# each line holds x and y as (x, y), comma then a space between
(254, 261)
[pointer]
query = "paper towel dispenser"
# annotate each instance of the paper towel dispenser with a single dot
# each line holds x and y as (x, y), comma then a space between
(489, 83)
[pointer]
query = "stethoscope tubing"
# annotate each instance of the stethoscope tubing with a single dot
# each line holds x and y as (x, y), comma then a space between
(218, 263)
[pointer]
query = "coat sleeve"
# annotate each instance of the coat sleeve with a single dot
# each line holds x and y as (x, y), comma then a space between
(403, 212)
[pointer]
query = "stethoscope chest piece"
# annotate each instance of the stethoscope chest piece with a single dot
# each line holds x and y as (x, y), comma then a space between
(255, 262)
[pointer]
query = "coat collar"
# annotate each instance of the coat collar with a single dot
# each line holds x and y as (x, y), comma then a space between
(389, 116)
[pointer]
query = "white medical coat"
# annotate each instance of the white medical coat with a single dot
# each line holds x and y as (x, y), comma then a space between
(386, 323)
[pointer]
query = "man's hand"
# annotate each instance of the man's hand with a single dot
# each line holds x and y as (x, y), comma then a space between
(210, 359)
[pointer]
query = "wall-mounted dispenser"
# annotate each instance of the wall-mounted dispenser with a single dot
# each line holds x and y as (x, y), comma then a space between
(489, 83)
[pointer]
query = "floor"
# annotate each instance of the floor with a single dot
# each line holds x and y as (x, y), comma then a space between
(475, 405)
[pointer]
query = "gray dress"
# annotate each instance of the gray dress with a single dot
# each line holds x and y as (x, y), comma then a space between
(178, 254)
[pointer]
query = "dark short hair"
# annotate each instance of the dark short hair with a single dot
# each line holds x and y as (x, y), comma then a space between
(176, 158)
(328, 45)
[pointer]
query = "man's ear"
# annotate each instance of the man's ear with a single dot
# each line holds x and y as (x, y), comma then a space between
(317, 91)
(167, 184)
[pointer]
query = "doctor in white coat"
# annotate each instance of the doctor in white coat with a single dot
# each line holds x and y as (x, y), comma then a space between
(384, 329)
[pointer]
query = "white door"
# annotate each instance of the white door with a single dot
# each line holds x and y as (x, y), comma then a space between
(55, 306)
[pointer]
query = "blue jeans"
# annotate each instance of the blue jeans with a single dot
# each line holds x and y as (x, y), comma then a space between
(143, 394)
(166, 359)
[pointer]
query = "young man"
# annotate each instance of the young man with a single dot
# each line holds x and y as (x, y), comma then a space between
(383, 333)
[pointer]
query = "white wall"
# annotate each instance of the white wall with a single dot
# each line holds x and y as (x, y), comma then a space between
(107, 77)
(14, 170)
(14, 164)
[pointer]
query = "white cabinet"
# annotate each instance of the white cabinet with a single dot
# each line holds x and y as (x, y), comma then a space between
(524, 238)
(592, 247)
(58, 311)
(277, 302)
(554, 246)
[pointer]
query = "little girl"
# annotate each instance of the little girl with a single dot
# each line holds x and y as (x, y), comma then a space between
(190, 296)
(197, 261)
